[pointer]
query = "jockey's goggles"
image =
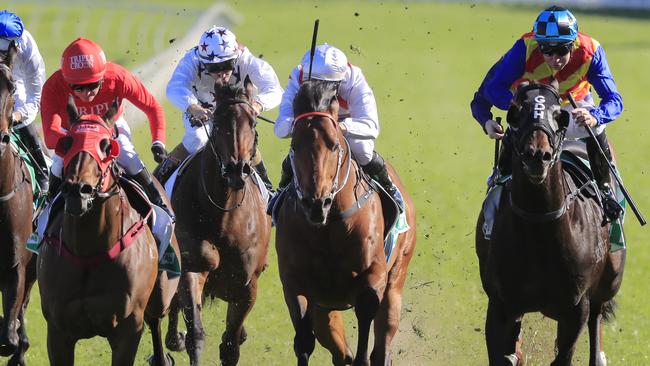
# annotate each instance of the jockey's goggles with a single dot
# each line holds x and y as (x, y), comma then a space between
(558, 49)
(5, 43)
(215, 68)
(81, 87)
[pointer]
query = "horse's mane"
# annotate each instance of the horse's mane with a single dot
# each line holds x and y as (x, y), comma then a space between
(231, 91)
(314, 96)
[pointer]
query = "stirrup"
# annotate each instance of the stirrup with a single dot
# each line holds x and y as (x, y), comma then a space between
(611, 208)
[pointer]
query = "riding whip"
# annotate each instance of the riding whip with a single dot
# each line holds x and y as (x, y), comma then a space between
(313, 47)
(628, 198)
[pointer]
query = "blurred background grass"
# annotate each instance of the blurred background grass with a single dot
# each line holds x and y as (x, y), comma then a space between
(424, 61)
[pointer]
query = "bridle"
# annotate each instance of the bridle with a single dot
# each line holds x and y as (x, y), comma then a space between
(341, 152)
(225, 168)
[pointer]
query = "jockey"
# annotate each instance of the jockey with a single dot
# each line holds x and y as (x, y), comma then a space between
(217, 59)
(29, 76)
(555, 50)
(358, 111)
(95, 84)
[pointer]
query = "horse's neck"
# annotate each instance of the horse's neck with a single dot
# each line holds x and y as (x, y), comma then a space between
(211, 182)
(348, 195)
(8, 163)
(100, 228)
(547, 196)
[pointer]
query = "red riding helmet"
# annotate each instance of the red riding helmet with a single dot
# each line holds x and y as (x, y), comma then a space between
(83, 62)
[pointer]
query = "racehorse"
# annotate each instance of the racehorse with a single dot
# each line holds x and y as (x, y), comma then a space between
(548, 250)
(98, 266)
(330, 239)
(17, 267)
(222, 226)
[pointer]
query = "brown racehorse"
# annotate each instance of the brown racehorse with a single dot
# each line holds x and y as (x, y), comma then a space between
(548, 251)
(17, 266)
(222, 226)
(330, 240)
(98, 266)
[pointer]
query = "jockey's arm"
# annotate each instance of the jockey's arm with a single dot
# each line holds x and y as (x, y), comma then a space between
(600, 77)
(33, 71)
(480, 106)
(52, 110)
(179, 87)
(284, 123)
(508, 70)
(363, 121)
(135, 92)
(266, 81)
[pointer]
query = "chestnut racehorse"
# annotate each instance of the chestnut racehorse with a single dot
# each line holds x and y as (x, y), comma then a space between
(17, 266)
(98, 266)
(548, 250)
(222, 226)
(330, 240)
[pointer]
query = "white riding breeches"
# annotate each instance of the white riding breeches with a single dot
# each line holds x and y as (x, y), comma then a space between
(362, 149)
(128, 158)
(195, 136)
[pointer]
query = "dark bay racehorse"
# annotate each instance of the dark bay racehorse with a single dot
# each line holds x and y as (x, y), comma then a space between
(330, 240)
(98, 266)
(548, 251)
(17, 267)
(222, 226)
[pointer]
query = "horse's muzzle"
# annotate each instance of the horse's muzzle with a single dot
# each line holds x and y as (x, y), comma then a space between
(78, 197)
(536, 164)
(316, 209)
(236, 173)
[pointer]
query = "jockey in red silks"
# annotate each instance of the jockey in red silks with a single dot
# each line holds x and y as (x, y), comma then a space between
(358, 117)
(556, 51)
(95, 84)
(28, 71)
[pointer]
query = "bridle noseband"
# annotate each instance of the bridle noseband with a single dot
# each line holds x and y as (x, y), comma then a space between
(335, 184)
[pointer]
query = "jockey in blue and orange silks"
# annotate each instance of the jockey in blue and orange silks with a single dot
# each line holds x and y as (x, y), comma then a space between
(555, 50)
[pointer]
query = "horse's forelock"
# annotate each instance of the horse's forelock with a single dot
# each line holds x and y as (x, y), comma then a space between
(314, 96)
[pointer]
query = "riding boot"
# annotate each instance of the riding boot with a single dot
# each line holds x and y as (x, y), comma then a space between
(145, 179)
(287, 173)
(165, 169)
(29, 137)
(376, 168)
(602, 175)
(55, 184)
(261, 170)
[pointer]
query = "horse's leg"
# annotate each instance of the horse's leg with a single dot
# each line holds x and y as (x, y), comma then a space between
(174, 340)
(499, 328)
(330, 332)
(365, 308)
(18, 359)
(235, 335)
(569, 327)
(125, 340)
(158, 358)
(596, 354)
(304, 341)
(388, 316)
(514, 341)
(12, 303)
(190, 290)
(60, 347)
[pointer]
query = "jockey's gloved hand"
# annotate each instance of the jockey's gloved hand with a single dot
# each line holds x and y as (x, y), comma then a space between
(16, 117)
(159, 152)
(493, 129)
(197, 114)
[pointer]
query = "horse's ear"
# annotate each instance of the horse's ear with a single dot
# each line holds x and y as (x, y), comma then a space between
(249, 88)
(562, 118)
(111, 112)
(12, 51)
(73, 113)
(554, 84)
(513, 115)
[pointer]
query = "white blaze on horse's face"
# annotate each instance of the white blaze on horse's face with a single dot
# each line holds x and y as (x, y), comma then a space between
(539, 107)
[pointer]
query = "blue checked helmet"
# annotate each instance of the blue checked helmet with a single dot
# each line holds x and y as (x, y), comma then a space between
(556, 25)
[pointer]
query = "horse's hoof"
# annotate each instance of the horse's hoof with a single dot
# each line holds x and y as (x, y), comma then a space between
(243, 336)
(513, 360)
(176, 343)
(7, 350)
(16, 361)
(169, 360)
(602, 359)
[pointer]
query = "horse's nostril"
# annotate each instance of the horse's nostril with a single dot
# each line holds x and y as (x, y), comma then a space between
(327, 203)
(247, 169)
(86, 189)
(547, 156)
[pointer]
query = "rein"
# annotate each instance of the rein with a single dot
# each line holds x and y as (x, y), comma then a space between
(6, 197)
(550, 215)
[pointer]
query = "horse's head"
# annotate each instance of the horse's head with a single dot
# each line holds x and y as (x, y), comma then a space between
(316, 150)
(234, 138)
(88, 152)
(538, 125)
(7, 88)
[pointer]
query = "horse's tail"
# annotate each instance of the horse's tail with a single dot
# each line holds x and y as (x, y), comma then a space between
(609, 310)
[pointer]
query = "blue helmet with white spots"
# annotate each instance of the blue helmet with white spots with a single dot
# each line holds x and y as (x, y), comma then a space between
(556, 25)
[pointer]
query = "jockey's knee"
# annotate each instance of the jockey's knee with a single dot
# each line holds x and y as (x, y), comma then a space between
(363, 150)
(131, 163)
(193, 141)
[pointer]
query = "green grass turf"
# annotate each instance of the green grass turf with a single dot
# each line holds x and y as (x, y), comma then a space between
(424, 62)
